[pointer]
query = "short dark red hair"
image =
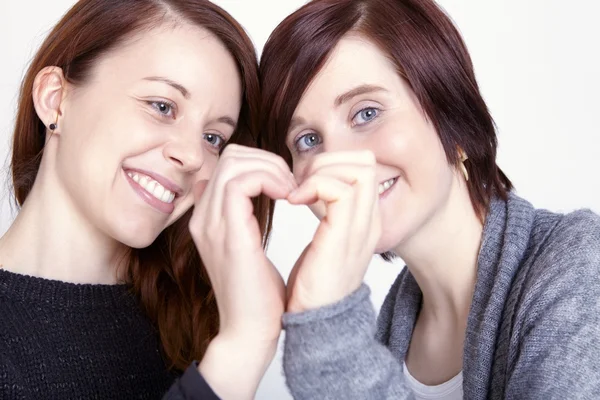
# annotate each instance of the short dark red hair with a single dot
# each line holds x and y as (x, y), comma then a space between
(428, 52)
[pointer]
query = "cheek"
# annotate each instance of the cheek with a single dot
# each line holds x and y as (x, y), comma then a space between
(110, 125)
(208, 168)
(183, 207)
(415, 148)
(393, 142)
(433, 164)
(95, 132)
(299, 168)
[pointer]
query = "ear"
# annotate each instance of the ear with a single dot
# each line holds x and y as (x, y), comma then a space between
(49, 89)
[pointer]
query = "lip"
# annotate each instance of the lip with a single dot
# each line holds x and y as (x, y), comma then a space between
(389, 190)
(161, 206)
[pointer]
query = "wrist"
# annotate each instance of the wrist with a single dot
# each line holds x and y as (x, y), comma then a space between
(235, 360)
(299, 303)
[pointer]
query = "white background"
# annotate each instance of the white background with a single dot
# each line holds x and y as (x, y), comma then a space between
(538, 67)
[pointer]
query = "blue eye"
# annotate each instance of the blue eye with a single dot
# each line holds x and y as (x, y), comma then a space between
(307, 142)
(214, 140)
(164, 108)
(365, 115)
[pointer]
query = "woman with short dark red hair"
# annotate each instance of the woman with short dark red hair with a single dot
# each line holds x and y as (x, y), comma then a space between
(375, 106)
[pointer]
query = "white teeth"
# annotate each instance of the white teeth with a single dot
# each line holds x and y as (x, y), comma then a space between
(154, 188)
(158, 191)
(386, 185)
(150, 187)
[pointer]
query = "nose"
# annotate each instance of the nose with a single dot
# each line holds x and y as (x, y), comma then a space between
(184, 155)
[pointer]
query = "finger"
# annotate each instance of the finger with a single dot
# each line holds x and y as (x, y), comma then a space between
(327, 189)
(279, 162)
(363, 157)
(366, 194)
(237, 165)
(254, 183)
(244, 150)
(251, 152)
(232, 168)
(362, 220)
(349, 173)
(238, 210)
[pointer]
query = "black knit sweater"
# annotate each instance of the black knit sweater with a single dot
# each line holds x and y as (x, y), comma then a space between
(66, 341)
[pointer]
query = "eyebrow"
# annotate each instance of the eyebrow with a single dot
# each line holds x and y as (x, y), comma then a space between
(341, 99)
(357, 91)
(295, 122)
(178, 86)
(186, 93)
(229, 121)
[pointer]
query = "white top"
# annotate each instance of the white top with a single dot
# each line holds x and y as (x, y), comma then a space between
(450, 390)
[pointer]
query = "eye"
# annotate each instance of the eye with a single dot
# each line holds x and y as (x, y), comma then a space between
(365, 115)
(214, 140)
(308, 142)
(165, 108)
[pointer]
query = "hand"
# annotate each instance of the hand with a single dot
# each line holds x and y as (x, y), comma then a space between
(342, 188)
(249, 290)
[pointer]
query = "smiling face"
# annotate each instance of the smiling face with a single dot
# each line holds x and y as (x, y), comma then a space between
(358, 101)
(148, 123)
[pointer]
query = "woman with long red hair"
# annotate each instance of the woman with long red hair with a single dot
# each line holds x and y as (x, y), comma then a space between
(122, 116)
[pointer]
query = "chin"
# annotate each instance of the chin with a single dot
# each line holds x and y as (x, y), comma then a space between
(392, 237)
(139, 244)
(137, 236)
(386, 244)
(137, 241)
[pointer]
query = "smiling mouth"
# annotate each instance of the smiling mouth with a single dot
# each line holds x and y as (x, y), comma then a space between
(385, 186)
(153, 188)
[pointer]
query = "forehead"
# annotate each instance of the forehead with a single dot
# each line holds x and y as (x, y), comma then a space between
(354, 61)
(190, 55)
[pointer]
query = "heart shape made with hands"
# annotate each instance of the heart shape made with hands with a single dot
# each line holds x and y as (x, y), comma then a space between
(342, 191)
(250, 293)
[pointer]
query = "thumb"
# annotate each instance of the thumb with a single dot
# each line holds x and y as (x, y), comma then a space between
(199, 189)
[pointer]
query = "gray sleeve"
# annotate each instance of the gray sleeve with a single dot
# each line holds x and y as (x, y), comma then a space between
(331, 353)
(558, 354)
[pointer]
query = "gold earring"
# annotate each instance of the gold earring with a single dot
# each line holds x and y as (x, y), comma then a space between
(463, 168)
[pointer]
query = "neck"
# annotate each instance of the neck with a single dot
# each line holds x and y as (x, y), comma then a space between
(51, 239)
(442, 257)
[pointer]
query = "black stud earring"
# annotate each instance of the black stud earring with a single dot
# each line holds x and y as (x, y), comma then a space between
(52, 127)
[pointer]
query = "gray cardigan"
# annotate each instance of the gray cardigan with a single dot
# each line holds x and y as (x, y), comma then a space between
(533, 330)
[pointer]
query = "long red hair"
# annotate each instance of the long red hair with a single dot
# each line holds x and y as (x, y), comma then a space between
(168, 277)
